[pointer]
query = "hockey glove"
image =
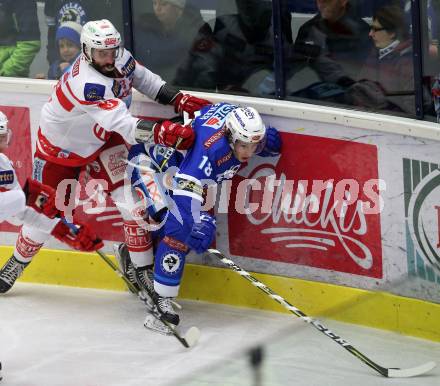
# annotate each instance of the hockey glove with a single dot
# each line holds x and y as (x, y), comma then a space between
(273, 144)
(167, 133)
(202, 233)
(40, 198)
(82, 239)
(189, 104)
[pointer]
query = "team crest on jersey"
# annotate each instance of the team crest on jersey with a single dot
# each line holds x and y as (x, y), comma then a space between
(171, 263)
(94, 92)
(116, 88)
(128, 67)
(6, 177)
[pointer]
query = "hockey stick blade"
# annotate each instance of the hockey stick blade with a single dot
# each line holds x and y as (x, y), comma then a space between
(386, 372)
(188, 340)
(192, 336)
(153, 323)
(412, 372)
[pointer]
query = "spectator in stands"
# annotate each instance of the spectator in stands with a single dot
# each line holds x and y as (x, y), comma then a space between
(243, 48)
(78, 11)
(334, 43)
(69, 46)
(19, 36)
(387, 78)
(172, 38)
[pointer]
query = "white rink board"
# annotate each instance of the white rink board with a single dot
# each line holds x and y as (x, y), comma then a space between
(396, 140)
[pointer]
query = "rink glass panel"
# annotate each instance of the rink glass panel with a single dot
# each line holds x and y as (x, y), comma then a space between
(217, 46)
(38, 20)
(228, 47)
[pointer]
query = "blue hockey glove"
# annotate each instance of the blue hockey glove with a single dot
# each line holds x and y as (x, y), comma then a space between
(273, 143)
(202, 233)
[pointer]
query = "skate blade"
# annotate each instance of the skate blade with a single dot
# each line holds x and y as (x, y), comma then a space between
(154, 324)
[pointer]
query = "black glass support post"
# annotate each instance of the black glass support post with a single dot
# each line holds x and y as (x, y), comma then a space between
(127, 14)
(418, 57)
(280, 84)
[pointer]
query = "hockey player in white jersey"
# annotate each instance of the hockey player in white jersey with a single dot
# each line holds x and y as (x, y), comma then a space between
(35, 206)
(86, 121)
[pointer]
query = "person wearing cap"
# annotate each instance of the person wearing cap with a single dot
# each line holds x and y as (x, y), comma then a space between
(57, 12)
(69, 46)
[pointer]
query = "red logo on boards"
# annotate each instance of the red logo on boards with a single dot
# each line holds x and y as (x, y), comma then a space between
(300, 217)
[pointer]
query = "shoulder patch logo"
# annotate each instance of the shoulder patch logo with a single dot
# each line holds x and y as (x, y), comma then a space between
(6, 177)
(75, 67)
(128, 67)
(116, 88)
(94, 92)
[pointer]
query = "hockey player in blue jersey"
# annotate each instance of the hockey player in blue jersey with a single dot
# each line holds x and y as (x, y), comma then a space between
(226, 136)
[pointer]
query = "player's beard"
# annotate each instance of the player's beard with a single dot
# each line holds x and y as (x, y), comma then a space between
(106, 69)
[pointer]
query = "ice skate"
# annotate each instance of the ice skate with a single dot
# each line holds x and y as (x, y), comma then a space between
(125, 264)
(10, 272)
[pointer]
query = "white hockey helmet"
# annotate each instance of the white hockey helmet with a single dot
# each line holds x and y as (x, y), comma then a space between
(246, 125)
(100, 34)
(4, 129)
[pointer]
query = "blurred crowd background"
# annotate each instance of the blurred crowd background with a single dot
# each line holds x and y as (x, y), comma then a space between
(374, 55)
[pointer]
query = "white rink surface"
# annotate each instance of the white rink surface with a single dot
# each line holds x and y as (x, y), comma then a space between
(66, 336)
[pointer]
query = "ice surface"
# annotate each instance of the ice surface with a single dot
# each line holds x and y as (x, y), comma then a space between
(53, 335)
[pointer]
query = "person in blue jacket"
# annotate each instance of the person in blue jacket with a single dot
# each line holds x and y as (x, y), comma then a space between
(226, 137)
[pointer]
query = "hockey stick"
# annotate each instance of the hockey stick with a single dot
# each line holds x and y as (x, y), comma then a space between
(386, 372)
(192, 335)
(169, 153)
